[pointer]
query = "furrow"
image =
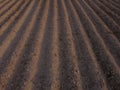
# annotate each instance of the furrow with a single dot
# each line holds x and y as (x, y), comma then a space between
(85, 55)
(14, 59)
(6, 28)
(15, 56)
(6, 57)
(7, 8)
(43, 76)
(8, 53)
(68, 69)
(108, 21)
(96, 34)
(13, 33)
(115, 4)
(10, 13)
(72, 49)
(107, 16)
(114, 9)
(59, 45)
(109, 39)
(55, 52)
(108, 11)
(108, 67)
(4, 4)
(36, 56)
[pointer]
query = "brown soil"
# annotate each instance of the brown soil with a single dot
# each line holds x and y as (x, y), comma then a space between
(59, 45)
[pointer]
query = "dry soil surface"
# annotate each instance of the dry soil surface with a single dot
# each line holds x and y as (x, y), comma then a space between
(59, 44)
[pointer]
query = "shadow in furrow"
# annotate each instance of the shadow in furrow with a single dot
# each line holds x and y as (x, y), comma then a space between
(10, 15)
(8, 8)
(89, 73)
(11, 26)
(43, 76)
(67, 76)
(102, 57)
(6, 57)
(5, 4)
(112, 44)
(20, 74)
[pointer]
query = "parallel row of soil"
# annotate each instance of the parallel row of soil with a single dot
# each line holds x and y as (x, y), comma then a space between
(59, 44)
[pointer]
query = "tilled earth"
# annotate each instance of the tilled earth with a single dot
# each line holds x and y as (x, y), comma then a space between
(59, 44)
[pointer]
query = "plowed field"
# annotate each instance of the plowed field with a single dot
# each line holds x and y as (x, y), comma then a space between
(59, 44)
